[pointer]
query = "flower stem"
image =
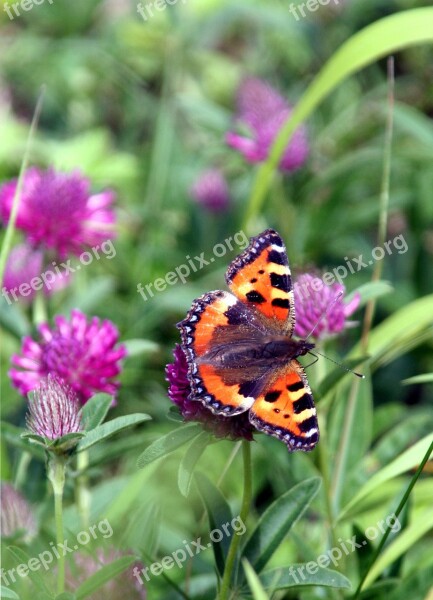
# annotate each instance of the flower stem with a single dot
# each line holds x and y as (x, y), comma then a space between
(7, 241)
(82, 489)
(245, 508)
(56, 474)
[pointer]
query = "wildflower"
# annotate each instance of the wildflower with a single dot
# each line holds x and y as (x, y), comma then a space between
(263, 111)
(211, 191)
(179, 390)
(314, 299)
(53, 409)
(23, 264)
(83, 353)
(124, 585)
(57, 212)
(16, 516)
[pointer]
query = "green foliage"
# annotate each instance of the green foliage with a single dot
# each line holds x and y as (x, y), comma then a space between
(142, 108)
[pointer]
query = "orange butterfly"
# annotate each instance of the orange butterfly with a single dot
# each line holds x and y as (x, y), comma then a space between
(240, 351)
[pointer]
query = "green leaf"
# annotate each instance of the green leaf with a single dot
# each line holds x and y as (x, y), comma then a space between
(190, 459)
(138, 347)
(36, 578)
(95, 410)
(402, 330)
(386, 36)
(335, 376)
(254, 582)
(12, 435)
(106, 573)
(168, 443)
(5, 592)
(13, 320)
(219, 514)
(297, 575)
(418, 584)
(110, 428)
(425, 378)
(405, 462)
(370, 291)
(66, 596)
(350, 435)
(406, 540)
(277, 521)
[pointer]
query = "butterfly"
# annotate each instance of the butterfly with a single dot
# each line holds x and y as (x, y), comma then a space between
(240, 351)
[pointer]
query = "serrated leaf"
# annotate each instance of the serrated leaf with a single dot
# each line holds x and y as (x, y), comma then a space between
(106, 573)
(297, 575)
(219, 513)
(138, 347)
(190, 459)
(102, 432)
(254, 582)
(95, 410)
(168, 443)
(276, 522)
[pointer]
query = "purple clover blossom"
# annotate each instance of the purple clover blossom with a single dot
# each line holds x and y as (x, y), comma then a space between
(22, 276)
(57, 212)
(313, 299)
(126, 585)
(16, 514)
(53, 409)
(23, 264)
(83, 353)
(211, 191)
(237, 427)
(264, 112)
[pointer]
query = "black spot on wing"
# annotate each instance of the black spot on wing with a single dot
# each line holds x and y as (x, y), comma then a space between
(282, 282)
(279, 258)
(272, 396)
(295, 387)
(235, 315)
(281, 302)
(303, 403)
(255, 297)
(247, 388)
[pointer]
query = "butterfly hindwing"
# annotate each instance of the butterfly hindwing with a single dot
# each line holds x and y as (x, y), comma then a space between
(216, 323)
(286, 410)
(260, 277)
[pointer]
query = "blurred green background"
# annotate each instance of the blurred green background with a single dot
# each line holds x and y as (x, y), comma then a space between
(143, 107)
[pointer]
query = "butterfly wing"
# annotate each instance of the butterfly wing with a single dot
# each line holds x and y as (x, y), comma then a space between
(217, 326)
(285, 409)
(260, 277)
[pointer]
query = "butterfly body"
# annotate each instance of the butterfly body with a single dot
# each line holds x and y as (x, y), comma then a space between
(240, 351)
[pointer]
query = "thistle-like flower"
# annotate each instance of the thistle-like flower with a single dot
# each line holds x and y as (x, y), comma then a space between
(237, 427)
(53, 409)
(83, 353)
(314, 299)
(263, 112)
(16, 515)
(211, 191)
(57, 212)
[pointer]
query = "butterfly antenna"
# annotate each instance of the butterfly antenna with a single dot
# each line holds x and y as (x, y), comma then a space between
(339, 364)
(320, 319)
(325, 312)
